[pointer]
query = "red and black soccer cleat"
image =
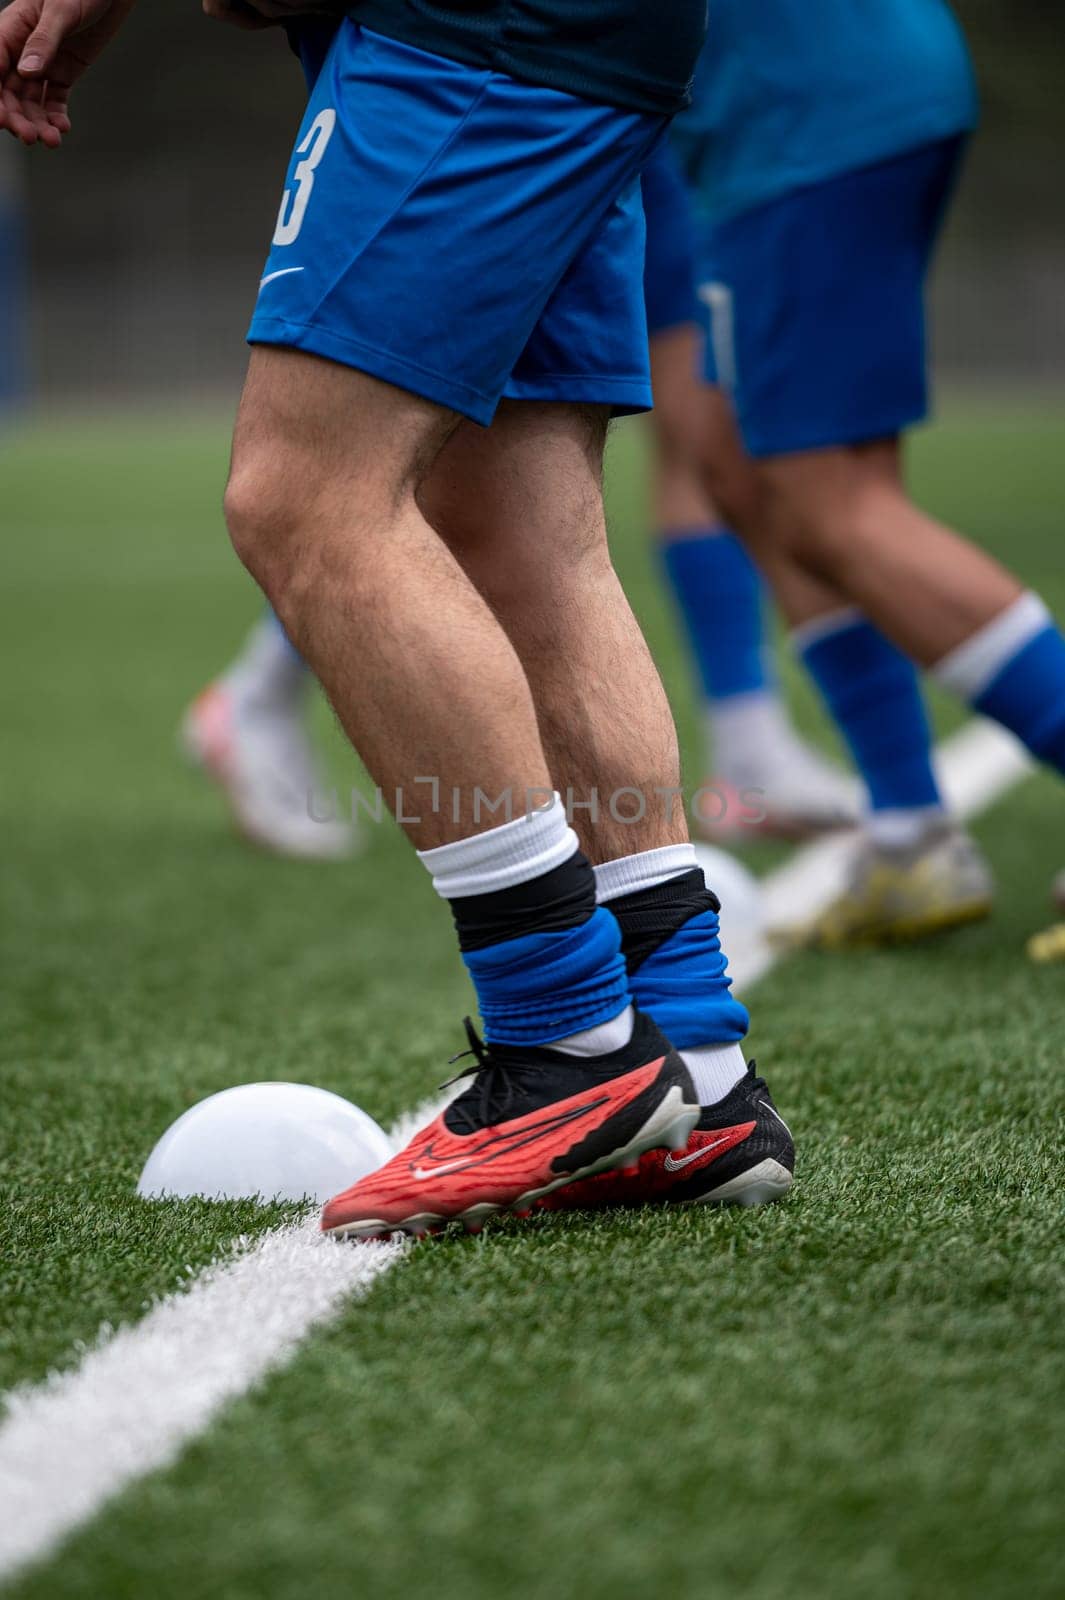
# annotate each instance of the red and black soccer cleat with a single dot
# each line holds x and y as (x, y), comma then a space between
(740, 1153)
(532, 1120)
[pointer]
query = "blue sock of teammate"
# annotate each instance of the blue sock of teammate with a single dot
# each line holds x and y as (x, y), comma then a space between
(545, 961)
(677, 969)
(719, 594)
(873, 693)
(1013, 669)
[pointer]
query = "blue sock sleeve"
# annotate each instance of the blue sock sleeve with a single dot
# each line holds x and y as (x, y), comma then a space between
(719, 594)
(872, 691)
(1027, 695)
(684, 985)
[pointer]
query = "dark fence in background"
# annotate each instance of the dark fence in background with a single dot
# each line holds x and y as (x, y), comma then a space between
(147, 232)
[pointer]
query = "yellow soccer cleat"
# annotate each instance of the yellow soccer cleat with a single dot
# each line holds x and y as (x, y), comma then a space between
(1049, 945)
(899, 897)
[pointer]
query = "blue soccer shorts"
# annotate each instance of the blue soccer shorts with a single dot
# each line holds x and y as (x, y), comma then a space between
(460, 234)
(817, 318)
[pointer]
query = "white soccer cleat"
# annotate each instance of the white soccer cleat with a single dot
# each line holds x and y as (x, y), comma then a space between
(793, 792)
(262, 760)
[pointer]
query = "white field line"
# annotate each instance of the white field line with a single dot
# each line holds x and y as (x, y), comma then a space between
(141, 1392)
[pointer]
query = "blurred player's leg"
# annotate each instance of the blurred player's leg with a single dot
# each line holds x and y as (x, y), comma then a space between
(828, 443)
(752, 747)
(249, 731)
(946, 602)
(839, 509)
(608, 735)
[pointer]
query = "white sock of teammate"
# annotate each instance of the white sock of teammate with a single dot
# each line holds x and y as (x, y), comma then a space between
(268, 674)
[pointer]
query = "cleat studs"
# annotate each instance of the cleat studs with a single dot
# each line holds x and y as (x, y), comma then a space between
(473, 1224)
(522, 1211)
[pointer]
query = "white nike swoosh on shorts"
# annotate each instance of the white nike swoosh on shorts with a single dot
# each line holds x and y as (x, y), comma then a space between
(284, 272)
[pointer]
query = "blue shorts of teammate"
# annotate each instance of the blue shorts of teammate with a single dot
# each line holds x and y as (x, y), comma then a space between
(817, 304)
(462, 235)
(669, 278)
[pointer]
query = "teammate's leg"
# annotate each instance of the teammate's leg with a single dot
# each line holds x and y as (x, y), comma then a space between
(249, 730)
(753, 751)
(719, 592)
(846, 515)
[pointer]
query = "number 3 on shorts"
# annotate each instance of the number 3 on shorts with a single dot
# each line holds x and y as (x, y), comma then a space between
(294, 204)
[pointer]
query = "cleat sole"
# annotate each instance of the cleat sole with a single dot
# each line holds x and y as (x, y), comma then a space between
(767, 1181)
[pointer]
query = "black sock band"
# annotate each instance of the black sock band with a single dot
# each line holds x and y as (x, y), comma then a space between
(552, 903)
(648, 917)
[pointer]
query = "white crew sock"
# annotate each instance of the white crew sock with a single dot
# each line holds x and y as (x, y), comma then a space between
(646, 870)
(599, 1041)
(516, 852)
(715, 1068)
(268, 673)
(897, 829)
(978, 660)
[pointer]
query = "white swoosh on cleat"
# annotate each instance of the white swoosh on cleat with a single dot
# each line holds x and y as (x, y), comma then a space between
(284, 273)
(696, 1155)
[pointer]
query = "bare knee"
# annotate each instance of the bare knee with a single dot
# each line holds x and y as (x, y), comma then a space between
(827, 511)
(264, 516)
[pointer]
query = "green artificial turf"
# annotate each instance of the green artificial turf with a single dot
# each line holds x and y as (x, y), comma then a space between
(856, 1393)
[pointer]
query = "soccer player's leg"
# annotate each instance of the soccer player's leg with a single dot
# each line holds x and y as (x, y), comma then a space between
(378, 332)
(610, 742)
(249, 731)
(829, 366)
(840, 495)
(752, 747)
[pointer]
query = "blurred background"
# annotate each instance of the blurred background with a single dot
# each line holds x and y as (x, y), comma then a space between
(141, 243)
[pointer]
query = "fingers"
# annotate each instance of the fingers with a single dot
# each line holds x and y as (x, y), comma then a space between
(57, 19)
(30, 116)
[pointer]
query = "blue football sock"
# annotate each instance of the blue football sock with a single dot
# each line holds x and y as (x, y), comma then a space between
(542, 987)
(1028, 696)
(872, 691)
(545, 961)
(1013, 669)
(719, 593)
(684, 985)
